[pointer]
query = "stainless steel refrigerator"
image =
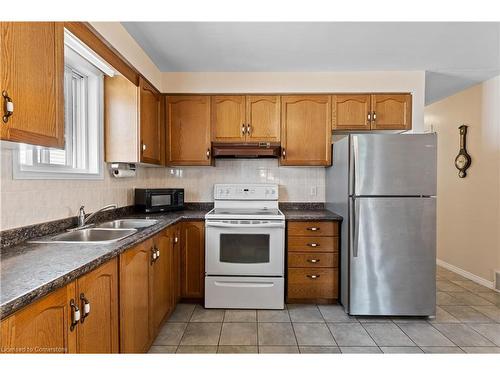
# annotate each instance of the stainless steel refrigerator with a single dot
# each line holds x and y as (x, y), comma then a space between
(384, 185)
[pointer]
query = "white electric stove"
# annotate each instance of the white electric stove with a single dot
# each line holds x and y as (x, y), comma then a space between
(244, 248)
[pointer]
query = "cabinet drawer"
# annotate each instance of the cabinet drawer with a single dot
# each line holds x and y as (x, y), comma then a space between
(313, 228)
(315, 260)
(314, 244)
(312, 283)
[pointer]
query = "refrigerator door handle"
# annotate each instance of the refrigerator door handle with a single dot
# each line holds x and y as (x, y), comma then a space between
(355, 151)
(355, 229)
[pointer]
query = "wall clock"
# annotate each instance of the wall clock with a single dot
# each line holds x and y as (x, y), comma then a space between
(463, 160)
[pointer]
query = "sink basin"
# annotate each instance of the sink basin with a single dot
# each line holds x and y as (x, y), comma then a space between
(128, 223)
(91, 235)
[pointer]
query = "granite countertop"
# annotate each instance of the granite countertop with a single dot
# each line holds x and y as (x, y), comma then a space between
(29, 271)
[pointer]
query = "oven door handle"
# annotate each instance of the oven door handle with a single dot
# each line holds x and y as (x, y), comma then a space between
(228, 225)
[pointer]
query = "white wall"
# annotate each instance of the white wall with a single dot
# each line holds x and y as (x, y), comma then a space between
(468, 209)
(298, 82)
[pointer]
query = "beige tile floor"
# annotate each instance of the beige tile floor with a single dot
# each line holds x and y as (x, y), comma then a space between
(467, 321)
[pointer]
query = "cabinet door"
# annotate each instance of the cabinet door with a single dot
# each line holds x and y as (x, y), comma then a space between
(391, 112)
(306, 130)
(161, 283)
(193, 260)
(98, 331)
(150, 123)
(351, 112)
(228, 118)
(42, 327)
(188, 130)
(134, 298)
(263, 118)
(32, 75)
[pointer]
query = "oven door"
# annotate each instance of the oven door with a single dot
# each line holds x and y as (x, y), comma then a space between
(244, 247)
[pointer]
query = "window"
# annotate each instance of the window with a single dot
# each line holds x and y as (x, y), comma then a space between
(82, 157)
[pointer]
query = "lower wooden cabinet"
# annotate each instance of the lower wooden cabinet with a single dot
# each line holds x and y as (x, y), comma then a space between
(175, 232)
(48, 325)
(193, 260)
(312, 262)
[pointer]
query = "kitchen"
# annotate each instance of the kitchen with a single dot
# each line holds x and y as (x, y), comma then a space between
(208, 207)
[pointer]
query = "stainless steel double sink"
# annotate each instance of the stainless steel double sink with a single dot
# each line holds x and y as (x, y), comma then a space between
(107, 232)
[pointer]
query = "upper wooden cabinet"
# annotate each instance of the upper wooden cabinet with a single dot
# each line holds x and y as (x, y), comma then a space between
(134, 124)
(371, 112)
(351, 112)
(193, 260)
(306, 130)
(32, 78)
(251, 118)
(391, 112)
(228, 118)
(188, 130)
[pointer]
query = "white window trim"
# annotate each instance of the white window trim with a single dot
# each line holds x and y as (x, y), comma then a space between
(24, 173)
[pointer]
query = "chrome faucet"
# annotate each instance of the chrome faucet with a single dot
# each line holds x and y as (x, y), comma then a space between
(83, 221)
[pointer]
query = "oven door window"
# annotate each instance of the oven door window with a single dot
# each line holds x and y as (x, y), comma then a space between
(161, 200)
(244, 248)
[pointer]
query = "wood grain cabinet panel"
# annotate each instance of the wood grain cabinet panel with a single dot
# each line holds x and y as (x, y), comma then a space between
(316, 283)
(310, 259)
(306, 130)
(327, 244)
(98, 332)
(391, 112)
(134, 298)
(41, 327)
(176, 259)
(351, 112)
(150, 123)
(262, 118)
(193, 260)
(188, 130)
(228, 118)
(32, 75)
(313, 228)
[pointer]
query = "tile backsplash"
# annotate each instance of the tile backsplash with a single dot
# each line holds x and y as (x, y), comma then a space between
(25, 202)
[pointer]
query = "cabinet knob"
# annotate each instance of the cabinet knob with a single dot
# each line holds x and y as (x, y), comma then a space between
(208, 153)
(248, 129)
(8, 106)
(283, 153)
(75, 314)
(243, 129)
(313, 276)
(313, 244)
(313, 260)
(374, 116)
(369, 116)
(143, 147)
(176, 239)
(313, 229)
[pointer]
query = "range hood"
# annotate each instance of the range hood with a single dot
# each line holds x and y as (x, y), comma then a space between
(246, 150)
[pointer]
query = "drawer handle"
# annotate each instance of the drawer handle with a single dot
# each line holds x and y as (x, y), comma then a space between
(313, 229)
(313, 276)
(314, 244)
(313, 260)
(85, 307)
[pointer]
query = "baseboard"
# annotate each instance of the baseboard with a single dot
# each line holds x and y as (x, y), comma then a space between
(466, 274)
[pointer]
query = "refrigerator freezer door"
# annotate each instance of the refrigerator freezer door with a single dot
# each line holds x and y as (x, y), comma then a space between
(393, 164)
(393, 256)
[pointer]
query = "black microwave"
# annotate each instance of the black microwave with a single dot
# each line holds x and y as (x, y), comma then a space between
(159, 200)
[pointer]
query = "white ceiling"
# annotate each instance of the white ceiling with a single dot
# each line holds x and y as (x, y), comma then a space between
(454, 55)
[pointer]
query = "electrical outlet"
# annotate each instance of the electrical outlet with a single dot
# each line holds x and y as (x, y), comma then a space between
(314, 191)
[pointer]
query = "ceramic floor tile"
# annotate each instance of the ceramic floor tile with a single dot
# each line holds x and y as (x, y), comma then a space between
(444, 299)
(201, 334)
(197, 349)
(237, 349)
(276, 334)
(240, 316)
(319, 349)
(442, 349)
(401, 349)
(360, 350)
(471, 286)
(493, 297)
(481, 349)
(350, 334)
(201, 314)
(238, 334)
(424, 334)
(491, 312)
(335, 314)
(170, 334)
(305, 314)
(159, 349)
(182, 313)
(467, 314)
(490, 331)
(278, 349)
(273, 316)
(442, 316)
(462, 335)
(387, 334)
(448, 286)
(469, 298)
(313, 334)
(374, 319)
